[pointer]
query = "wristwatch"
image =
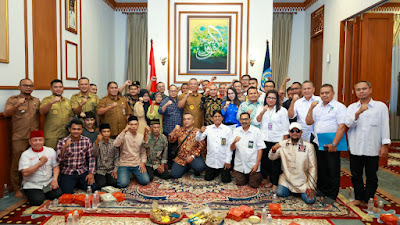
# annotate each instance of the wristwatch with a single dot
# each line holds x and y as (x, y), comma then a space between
(334, 145)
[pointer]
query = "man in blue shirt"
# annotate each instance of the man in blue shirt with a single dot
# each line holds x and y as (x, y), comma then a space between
(172, 117)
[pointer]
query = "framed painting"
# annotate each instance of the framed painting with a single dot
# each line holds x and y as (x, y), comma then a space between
(208, 44)
(70, 16)
(4, 31)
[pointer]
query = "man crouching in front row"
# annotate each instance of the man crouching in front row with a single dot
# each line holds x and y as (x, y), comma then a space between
(299, 165)
(132, 154)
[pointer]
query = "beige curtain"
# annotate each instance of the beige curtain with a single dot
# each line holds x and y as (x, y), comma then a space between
(396, 27)
(137, 48)
(281, 41)
(395, 94)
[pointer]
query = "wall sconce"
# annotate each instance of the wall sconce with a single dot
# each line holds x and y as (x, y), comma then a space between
(252, 59)
(163, 60)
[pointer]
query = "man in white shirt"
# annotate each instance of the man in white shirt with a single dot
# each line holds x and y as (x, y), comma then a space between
(299, 107)
(369, 139)
(39, 168)
(328, 117)
(219, 155)
(299, 165)
(248, 142)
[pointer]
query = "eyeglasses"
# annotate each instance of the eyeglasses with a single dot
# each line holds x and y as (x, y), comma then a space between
(295, 130)
(271, 98)
(27, 85)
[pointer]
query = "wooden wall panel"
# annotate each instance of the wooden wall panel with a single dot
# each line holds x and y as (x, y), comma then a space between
(5, 152)
(44, 27)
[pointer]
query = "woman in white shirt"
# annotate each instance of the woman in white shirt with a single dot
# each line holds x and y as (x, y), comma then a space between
(274, 125)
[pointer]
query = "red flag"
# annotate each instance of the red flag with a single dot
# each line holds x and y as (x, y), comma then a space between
(152, 69)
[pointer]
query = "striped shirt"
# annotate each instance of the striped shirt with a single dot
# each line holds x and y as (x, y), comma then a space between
(76, 156)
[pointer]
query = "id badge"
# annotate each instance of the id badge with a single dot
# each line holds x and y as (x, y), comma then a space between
(269, 126)
(223, 141)
(251, 144)
(46, 188)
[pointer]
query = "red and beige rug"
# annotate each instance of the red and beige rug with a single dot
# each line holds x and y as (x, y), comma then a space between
(193, 194)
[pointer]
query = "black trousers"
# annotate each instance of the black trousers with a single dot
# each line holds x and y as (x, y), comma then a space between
(37, 196)
(212, 173)
(271, 168)
(105, 180)
(357, 165)
(328, 167)
(171, 152)
(151, 172)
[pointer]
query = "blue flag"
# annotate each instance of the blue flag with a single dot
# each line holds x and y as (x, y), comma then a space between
(267, 72)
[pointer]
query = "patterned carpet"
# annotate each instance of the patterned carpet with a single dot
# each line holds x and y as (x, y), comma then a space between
(394, 158)
(193, 193)
(99, 220)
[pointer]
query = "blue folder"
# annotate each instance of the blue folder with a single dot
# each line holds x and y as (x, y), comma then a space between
(327, 138)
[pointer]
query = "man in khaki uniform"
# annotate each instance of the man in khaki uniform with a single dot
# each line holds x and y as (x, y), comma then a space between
(24, 112)
(58, 113)
(190, 103)
(114, 110)
(84, 101)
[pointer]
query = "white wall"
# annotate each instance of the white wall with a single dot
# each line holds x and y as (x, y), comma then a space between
(260, 29)
(98, 53)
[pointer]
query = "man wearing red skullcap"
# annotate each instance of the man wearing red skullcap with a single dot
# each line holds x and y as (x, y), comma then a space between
(39, 168)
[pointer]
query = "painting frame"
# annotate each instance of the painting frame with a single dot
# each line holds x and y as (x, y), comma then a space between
(4, 35)
(210, 55)
(71, 24)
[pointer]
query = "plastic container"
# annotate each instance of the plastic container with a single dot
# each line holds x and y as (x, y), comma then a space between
(351, 194)
(76, 217)
(264, 216)
(6, 194)
(87, 202)
(96, 200)
(370, 209)
(89, 190)
(269, 220)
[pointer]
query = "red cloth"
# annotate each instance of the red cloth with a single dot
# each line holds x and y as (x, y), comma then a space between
(152, 69)
(66, 199)
(275, 209)
(80, 199)
(119, 196)
(80, 213)
(235, 214)
(248, 211)
(389, 219)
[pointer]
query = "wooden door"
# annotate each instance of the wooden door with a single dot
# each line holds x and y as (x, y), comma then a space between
(366, 54)
(376, 53)
(316, 62)
(316, 47)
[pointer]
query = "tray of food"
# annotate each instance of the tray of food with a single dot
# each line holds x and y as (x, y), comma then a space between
(206, 217)
(165, 214)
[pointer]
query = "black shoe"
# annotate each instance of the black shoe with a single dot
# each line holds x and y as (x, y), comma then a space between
(196, 173)
(328, 201)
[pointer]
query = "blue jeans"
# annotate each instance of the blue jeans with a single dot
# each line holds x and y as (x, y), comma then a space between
(68, 182)
(124, 173)
(283, 191)
(177, 170)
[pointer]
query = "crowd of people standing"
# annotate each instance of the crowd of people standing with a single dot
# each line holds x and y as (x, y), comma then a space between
(234, 130)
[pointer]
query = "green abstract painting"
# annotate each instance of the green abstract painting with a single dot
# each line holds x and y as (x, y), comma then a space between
(209, 44)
